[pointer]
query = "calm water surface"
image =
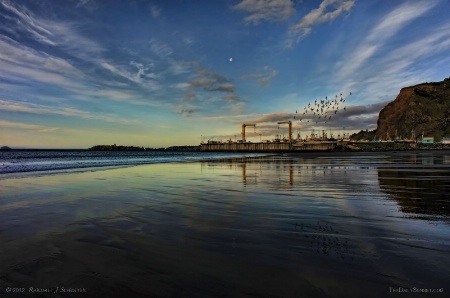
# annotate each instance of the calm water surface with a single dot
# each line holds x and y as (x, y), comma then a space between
(321, 225)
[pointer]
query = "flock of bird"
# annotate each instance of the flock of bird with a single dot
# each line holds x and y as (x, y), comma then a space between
(321, 109)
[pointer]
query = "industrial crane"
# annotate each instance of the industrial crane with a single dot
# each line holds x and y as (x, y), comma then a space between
(290, 129)
(243, 130)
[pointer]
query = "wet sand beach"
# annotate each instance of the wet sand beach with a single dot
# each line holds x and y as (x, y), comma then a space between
(316, 225)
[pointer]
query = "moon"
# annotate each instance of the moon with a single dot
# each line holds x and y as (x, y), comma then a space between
(231, 59)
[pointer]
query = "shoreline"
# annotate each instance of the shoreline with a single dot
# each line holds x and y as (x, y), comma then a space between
(261, 156)
(349, 147)
(353, 153)
(22, 165)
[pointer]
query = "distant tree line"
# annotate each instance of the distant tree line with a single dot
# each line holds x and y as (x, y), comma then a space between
(135, 148)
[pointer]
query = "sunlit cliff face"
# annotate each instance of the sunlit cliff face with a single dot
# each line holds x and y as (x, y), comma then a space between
(421, 109)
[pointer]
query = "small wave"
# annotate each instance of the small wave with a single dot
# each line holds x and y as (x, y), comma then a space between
(31, 161)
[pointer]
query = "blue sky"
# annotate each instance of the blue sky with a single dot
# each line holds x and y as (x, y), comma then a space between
(74, 74)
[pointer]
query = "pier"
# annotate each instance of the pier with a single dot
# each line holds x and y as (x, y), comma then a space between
(314, 142)
(271, 146)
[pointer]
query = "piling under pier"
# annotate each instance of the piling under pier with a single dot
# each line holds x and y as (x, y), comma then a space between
(271, 147)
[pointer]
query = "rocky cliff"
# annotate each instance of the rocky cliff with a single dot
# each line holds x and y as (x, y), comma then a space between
(424, 108)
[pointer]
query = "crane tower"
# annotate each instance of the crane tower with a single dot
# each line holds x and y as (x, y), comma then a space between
(243, 130)
(290, 129)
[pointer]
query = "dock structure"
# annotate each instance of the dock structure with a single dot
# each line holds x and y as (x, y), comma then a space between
(271, 146)
(312, 143)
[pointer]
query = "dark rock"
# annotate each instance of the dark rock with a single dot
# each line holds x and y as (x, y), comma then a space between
(424, 108)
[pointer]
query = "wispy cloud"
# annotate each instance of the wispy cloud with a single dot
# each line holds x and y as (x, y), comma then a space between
(263, 10)
(188, 40)
(144, 71)
(28, 23)
(181, 67)
(186, 109)
(237, 109)
(224, 88)
(231, 97)
(382, 64)
(390, 25)
(263, 78)
(116, 95)
(14, 106)
(20, 125)
(204, 92)
(431, 44)
(155, 11)
(210, 81)
(142, 76)
(24, 66)
(14, 52)
(326, 12)
(82, 3)
(52, 33)
(190, 96)
(160, 48)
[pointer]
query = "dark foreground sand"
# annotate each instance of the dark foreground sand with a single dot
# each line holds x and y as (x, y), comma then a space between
(273, 228)
(149, 266)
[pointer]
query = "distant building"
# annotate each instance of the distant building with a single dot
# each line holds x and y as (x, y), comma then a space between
(446, 140)
(428, 140)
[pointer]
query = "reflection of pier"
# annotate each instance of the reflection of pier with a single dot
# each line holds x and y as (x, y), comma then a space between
(247, 179)
(291, 174)
(252, 169)
(271, 147)
(252, 179)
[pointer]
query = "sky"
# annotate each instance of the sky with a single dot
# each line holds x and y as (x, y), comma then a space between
(79, 73)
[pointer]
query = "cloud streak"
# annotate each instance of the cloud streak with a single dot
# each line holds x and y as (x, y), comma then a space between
(326, 12)
(395, 63)
(186, 109)
(224, 88)
(12, 106)
(52, 33)
(160, 49)
(211, 82)
(263, 78)
(390, 25)
(139, 77)
(23, 62)
(24, 66)
(155, 11)
(263, 10)
(32, 127)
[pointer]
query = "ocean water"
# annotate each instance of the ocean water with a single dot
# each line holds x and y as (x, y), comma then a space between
(20, 161)
(312, 225)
